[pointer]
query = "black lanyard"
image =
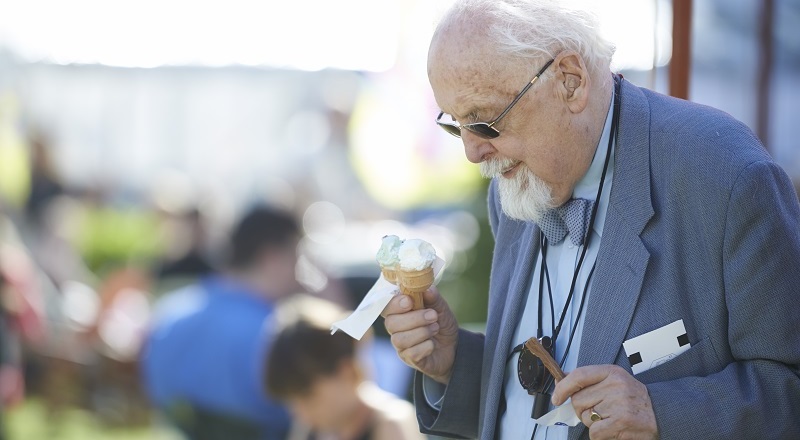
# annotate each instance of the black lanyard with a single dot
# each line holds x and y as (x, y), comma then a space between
(586, 239)
(545, 275)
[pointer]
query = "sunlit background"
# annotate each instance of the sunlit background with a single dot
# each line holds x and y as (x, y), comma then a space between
(142, 111)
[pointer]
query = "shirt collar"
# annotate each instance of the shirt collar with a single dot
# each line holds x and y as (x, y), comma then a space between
(588, 185)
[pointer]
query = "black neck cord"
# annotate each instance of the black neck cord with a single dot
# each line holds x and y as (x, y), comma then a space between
(545, 274)
(587, 237)
(611, 139)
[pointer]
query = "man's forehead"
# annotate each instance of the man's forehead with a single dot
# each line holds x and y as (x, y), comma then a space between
(464, 85)
(462, 57)
(453, 59)
(471, 102)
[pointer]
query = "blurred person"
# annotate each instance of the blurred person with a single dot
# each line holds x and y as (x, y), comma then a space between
(203, 359)
(45, 183)
(186, 259)
(320, 377)
(658, 231)
(52, 245)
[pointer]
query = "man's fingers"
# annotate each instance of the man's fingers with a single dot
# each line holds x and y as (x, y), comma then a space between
(410, 338)
(403, 303)
(410, 320)
(583, 402)
(621, 403)
(579, 379)
(399, 304)
(603, 429)
(586, 415)
(414, 355)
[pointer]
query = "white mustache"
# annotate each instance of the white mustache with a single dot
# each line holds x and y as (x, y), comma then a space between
(495, 166)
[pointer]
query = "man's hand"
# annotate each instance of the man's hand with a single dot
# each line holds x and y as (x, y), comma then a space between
(618, 398)
(424, 339)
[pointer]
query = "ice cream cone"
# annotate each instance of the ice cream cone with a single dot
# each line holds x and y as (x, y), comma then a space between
(414, 283)
(390, 274)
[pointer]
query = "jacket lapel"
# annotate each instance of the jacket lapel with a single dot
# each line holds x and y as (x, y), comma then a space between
(622, 259)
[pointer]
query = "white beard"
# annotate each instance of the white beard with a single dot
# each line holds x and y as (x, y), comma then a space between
(523, 197)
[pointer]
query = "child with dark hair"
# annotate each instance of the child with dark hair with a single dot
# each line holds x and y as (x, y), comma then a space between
(318, 376)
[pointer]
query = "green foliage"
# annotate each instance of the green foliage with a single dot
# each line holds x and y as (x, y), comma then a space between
(110, 236)
(30, 421)
(468, 294)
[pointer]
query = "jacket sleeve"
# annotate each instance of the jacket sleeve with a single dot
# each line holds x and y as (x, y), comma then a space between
(757, 394)
(458, 417)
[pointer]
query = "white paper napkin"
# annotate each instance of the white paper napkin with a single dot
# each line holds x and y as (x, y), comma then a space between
(560, 415)
(357, 324)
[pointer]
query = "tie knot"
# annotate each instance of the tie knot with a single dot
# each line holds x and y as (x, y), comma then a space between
(570, 218)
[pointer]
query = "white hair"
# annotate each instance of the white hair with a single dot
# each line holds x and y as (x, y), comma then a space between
(539, 29)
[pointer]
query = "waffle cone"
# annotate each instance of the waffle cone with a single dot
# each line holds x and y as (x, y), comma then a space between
(390, 274)
(414, 283)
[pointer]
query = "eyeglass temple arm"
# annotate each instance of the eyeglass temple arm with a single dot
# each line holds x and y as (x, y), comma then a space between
(521, 93)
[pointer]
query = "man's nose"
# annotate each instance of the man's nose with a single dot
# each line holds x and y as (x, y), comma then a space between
(476, 148)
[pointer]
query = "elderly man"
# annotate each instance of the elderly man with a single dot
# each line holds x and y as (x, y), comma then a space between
(649, 243)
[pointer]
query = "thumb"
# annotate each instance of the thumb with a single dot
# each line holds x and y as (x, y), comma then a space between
(448, 325)
(433, 299)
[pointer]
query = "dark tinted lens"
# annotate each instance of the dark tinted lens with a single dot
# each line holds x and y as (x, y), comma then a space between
(482, 129)
(452, 129)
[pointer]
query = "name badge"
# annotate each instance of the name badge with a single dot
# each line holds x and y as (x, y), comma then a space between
(656, 347)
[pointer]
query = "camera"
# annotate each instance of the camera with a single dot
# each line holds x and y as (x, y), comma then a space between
(534, 377)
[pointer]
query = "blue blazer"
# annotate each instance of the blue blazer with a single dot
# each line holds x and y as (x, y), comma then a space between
(702, 226)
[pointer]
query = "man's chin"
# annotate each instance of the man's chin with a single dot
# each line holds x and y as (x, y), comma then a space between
(508, 181)
(520, 201)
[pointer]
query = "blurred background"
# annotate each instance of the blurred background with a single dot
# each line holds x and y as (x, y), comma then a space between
(133, 134)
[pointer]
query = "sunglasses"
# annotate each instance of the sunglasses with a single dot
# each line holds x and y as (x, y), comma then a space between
(486, 130)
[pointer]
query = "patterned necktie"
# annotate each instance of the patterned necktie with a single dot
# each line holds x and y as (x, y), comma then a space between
(571, 217)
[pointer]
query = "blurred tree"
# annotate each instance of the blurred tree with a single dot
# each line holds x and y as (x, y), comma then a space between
(468, 292)
(111, 236)
(14, 159)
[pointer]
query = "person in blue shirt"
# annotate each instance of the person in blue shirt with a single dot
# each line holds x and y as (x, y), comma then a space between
(204, 355)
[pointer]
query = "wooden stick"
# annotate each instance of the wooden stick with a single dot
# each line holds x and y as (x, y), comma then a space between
(535, 347)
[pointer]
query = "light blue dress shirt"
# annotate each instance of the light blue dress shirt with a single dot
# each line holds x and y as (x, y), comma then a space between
(562, 259)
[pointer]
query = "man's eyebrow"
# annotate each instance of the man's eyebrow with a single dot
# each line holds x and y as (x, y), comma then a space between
(472, 111)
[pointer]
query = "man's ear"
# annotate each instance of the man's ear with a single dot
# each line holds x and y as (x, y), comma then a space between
(572, 79)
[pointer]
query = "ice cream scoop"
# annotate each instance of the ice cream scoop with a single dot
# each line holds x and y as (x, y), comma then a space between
(416, 254)
(388, 257)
